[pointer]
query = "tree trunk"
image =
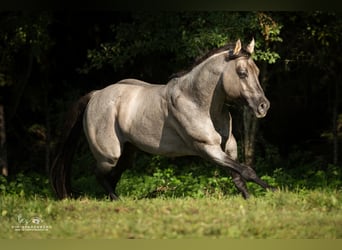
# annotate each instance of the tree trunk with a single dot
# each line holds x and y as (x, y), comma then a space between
(48, 127)
(250, 130)
(3, 149)
(335, 125)
(19, 87)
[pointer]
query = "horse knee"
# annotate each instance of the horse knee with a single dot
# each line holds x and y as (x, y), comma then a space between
(231, 148)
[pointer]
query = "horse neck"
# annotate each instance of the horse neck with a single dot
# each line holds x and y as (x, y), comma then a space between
(204, 85)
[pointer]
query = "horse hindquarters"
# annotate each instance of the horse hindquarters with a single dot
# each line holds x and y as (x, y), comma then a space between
(104, 141)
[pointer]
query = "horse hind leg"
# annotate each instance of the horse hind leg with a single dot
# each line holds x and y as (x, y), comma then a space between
(125, 162)
(107, 162)
(103, 173)
(109, 179)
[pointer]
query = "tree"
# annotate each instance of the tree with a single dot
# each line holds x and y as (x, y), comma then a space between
(3, 149)
(314, 39)
(267, 32)
(325, 31)
(24, 40)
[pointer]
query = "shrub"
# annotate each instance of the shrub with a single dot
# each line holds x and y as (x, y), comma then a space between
(25, 185)
(159, 176)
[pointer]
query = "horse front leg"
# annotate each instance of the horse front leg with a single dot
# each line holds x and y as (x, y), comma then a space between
(240, 184)
(230, 148)
(214, 153)
(249, 175)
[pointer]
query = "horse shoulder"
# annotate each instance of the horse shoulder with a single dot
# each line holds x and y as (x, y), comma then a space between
(190, 121)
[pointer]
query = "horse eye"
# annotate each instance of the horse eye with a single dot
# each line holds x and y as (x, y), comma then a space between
(242, 74)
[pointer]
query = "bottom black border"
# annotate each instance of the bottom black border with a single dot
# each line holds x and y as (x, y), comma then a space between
(173, 244)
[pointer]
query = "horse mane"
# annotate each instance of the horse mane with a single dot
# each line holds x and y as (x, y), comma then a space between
(228, 47)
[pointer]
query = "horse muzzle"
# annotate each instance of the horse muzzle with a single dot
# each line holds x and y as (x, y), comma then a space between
(262, 108)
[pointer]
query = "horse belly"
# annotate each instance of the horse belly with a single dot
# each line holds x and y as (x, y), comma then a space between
(167, 144)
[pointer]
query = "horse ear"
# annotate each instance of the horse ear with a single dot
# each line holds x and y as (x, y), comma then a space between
(250, 47)
(237, 47)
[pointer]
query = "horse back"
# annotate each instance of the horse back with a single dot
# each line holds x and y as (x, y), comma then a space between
(136, 110)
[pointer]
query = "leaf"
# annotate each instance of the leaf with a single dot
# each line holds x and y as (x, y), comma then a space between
(4, 212)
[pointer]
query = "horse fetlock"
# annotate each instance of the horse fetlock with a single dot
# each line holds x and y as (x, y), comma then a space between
(241, 186)
(248, 173)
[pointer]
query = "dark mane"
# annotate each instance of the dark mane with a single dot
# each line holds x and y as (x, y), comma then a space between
(228, 47)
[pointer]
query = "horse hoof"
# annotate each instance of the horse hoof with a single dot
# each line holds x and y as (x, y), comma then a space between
(246, 196)
(113, 197)
(272, 189)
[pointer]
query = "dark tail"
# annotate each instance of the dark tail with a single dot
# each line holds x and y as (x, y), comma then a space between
(60, 169)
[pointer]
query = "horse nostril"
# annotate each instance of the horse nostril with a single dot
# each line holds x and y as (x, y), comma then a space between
(263, 107)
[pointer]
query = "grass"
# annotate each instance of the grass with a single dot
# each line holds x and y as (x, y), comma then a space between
(281, 215)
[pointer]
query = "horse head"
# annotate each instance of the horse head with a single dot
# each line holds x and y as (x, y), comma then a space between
(241, 79)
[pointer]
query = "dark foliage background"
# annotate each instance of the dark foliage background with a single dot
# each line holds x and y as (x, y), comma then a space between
(49, 59)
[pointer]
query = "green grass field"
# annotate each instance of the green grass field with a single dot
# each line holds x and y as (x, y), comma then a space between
(280, 215)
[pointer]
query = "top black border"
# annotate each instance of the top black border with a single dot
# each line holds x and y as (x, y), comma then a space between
(173, 5)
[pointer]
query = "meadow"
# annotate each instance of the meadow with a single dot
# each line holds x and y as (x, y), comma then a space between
(311, 214)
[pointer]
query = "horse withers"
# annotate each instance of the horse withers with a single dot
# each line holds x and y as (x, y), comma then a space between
(184, 117)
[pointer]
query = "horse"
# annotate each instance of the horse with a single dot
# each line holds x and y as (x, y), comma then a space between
(185, 117)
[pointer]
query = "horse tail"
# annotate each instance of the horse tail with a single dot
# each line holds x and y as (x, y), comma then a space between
(61, 166)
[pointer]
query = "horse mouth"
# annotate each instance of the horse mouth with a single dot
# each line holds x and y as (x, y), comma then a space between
(260, 115)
